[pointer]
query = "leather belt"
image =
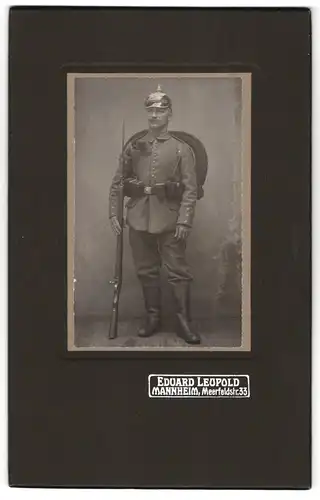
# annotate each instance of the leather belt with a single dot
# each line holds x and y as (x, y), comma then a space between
(149, 190)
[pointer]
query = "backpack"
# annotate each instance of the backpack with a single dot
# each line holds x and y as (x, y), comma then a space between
(198, 150)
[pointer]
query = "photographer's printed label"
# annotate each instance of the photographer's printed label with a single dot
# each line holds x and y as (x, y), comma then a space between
(198, 386)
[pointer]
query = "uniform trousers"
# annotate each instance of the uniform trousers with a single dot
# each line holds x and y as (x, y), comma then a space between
(151, 251)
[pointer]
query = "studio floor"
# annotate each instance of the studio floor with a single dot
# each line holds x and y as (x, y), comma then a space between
(92, 332)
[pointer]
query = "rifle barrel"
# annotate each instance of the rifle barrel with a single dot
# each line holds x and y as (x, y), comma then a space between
(117, 281)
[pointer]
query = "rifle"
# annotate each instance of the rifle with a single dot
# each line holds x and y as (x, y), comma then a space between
(117, 279)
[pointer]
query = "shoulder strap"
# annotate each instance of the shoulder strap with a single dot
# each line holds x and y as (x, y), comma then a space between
(177, 164)
(199, 154)
(135, 137)
(179, 153)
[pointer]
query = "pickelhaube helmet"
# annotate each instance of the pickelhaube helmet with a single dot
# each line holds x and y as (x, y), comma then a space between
(158, 99)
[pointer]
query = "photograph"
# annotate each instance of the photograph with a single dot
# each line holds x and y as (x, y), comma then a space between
(159, 284)
(159, 213)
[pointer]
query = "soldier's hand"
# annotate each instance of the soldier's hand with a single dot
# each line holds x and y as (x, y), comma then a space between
(182, 232)
(115, 226)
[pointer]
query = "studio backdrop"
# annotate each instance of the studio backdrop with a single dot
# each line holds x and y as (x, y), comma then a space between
(214, 108)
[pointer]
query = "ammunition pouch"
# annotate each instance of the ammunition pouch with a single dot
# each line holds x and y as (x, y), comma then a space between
(133, 188)
(174, 190)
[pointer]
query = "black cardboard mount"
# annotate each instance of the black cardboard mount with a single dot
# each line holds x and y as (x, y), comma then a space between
(84, 420)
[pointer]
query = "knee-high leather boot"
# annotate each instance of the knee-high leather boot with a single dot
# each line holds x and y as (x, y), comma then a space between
(152, 300)
(181, 291)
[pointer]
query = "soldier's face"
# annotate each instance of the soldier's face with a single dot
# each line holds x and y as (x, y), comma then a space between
(158, 117)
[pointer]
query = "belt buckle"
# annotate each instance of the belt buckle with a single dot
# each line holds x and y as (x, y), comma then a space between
(147, 189)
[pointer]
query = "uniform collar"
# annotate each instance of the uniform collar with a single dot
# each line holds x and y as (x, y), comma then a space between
(162, 137)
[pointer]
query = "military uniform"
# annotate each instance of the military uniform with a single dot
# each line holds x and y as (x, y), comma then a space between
(152, 218)
(153, 215)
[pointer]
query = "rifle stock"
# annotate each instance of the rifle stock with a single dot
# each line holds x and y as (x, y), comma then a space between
(117, 279)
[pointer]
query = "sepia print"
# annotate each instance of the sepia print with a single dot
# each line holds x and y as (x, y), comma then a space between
(159, 211)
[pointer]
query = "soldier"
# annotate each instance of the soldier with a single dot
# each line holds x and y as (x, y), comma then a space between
(160, 179)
